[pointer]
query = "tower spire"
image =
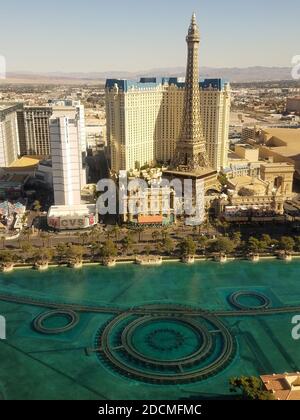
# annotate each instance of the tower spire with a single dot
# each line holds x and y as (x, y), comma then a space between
(191, 148)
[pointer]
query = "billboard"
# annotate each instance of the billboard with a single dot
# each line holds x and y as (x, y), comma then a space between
(71, 223)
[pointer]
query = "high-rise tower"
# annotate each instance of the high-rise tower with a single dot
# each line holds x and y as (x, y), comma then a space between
(191, 148)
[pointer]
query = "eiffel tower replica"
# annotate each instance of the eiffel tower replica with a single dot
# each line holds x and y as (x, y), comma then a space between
(190, 159)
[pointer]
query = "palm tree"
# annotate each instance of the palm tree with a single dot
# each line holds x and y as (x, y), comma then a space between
(78, 235)
(45, 237)
(203, 243)
(27, 249)
(108, 250)
(7, 258)
(43, 256)
(205, 225)
(84, 237)
(28, 233)
(75, 254)
(116, 231)
(94, 234)
(108, 234)
(168, 245)
(155, 235)
(223, 225)
(237, 238)
(61, 252)
(165, 232)
(2, 239)
(195, 230)
(127, 244)
(140, 230)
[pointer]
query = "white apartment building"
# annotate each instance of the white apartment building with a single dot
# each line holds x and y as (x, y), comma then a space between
(67, 164)
(9, 138)
(70, 108)
(144, 120)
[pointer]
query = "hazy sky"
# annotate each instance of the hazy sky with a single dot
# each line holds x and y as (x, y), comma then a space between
(101, 35)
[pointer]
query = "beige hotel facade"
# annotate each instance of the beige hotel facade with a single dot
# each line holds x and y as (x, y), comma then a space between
(144, 120)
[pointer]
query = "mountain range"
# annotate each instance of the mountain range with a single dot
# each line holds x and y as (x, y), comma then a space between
(234, 74)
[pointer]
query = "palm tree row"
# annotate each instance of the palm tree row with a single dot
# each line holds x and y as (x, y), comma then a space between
(92, 248)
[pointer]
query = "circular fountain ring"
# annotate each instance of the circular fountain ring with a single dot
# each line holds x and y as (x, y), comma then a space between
(265, 302)
(73, 319)
(137, 346)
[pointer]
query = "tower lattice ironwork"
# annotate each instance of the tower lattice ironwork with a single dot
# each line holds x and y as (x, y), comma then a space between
(191, 148)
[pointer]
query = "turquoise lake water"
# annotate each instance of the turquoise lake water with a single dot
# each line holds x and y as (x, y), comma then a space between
(39, 366)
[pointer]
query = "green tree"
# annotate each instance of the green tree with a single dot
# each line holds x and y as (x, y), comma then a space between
(237, 238)
(108, 249)
(223, 244)
(249, 388)
(222, 225)
(203, 243)
(62, 251)
(297, 243)
(187, 247)
(43, 255)
(28, 233)
(168, 245)
(267, 240)
(27, 250)
(75, 253)
(94, 234)
(127, 244)
(286, 243)
(7, 257)
(116, 231)
(253, 244)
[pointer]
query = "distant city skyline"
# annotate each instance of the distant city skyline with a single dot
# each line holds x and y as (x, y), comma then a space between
(100, 36)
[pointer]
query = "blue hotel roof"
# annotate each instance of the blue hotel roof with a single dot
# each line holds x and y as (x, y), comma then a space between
(153, 82)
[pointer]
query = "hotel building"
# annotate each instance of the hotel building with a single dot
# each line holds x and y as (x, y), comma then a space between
(9, 138)
(144, 120)
(67, 163)
(34, 125)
